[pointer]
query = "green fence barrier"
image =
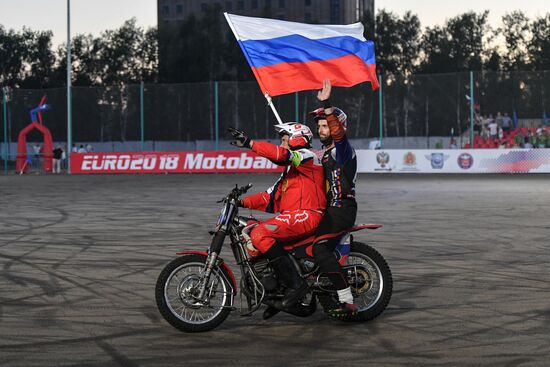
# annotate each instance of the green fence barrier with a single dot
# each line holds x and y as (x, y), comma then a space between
(413, 106)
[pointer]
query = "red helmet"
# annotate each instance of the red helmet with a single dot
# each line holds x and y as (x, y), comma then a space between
(300, 135)
(319, 114)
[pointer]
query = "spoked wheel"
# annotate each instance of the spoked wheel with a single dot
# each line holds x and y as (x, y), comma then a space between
(370, 279)
(177, 290)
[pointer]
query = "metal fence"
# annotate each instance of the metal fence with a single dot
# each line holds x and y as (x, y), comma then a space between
(405, 106)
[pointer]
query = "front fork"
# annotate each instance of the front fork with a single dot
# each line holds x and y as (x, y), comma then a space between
(211, 261)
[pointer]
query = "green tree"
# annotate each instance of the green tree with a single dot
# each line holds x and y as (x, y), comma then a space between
(27, 58)
(124, 55)
(397, 42)
(516, 32)
(127, 55)
(12, 53)
(457, 46)
(85, 54)
(39, 60)
(539, 45)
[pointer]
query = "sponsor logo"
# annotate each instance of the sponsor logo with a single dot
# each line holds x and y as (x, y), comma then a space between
(409, 163)
(285, 218)
(129, 162)
(437, 159)
(383, 159)
(409, 159)
(295, 217)
(221, 162)
(465, 161)
(173, 162)
(300, 217)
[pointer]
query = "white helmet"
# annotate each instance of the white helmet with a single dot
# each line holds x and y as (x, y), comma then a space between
(300, 136)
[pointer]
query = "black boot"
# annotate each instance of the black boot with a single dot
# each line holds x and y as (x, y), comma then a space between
(287, 272)
(270, 311)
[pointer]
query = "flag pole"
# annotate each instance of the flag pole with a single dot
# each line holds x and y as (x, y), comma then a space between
(270, 103)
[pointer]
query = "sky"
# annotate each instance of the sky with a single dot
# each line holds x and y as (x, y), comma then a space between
(435, 12)
(94, 16)
(87, 16)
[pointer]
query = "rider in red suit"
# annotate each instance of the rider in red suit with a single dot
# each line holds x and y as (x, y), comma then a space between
(298, 196)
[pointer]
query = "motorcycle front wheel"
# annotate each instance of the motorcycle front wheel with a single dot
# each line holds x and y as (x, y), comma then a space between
(177, 291)
(370, 279)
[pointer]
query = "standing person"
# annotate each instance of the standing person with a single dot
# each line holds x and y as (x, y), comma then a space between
(57, 155)
(340, 165)
(298, 196)
(506, 122)
(493, 129)
(499, 119)
(64, 157)
(36, 149)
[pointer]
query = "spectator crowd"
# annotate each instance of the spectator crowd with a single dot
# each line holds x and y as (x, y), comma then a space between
(499, 132)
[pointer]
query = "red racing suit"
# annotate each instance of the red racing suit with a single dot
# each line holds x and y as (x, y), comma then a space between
(298, 195)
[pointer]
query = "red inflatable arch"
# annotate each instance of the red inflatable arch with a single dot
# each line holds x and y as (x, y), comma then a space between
(47, 150)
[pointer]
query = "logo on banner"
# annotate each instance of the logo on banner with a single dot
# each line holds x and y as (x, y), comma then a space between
(222, 162)
(153, 162)
(437, 159)
(129, 162)
(465, 161)
(383, 159)
(409, 163)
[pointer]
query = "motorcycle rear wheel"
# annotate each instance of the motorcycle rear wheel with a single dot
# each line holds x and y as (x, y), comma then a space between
(177, 287)
(373, 292)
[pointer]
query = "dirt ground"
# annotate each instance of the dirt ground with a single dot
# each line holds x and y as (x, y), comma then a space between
(79, 257)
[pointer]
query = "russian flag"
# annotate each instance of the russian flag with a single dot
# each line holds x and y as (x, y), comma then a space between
(288, 57)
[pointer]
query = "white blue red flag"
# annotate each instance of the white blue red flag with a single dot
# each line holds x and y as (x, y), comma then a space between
(288, 57)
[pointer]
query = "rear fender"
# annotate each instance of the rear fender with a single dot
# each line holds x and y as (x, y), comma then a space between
(223, 265)
(365, 226)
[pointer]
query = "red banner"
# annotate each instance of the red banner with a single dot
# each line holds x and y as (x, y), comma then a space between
(167, 162)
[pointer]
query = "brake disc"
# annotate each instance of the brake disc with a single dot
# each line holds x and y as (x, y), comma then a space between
(362, 282)
(188, 290)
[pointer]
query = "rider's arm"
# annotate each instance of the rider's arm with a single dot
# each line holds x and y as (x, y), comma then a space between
(258, 201)
(344, 151)
(274, 153)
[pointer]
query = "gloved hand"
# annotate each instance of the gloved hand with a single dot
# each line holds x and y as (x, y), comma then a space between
(241, 139)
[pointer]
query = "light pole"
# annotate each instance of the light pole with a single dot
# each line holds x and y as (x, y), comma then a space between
(69, 107)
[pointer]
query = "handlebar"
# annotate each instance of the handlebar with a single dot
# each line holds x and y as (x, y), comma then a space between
(236, 192)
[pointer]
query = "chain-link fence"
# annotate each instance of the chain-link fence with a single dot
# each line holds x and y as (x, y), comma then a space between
(130, 117)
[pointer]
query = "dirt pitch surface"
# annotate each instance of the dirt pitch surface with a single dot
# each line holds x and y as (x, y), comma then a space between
(79, 257)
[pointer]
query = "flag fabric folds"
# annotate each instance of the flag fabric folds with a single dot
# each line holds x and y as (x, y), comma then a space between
(288, 57)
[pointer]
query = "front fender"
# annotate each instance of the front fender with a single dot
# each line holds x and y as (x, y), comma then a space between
(223, 265)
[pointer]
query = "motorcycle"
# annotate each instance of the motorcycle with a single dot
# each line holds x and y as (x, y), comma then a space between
(196, 291)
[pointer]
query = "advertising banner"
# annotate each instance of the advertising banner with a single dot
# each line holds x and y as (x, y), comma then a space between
(455, 161)
(168, 162)
(368, 161)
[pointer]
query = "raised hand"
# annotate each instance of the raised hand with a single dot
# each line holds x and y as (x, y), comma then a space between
(324, 94)
(241, 139)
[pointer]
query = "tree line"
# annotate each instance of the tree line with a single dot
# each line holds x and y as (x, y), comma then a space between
(204, 49)
(128, 54)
